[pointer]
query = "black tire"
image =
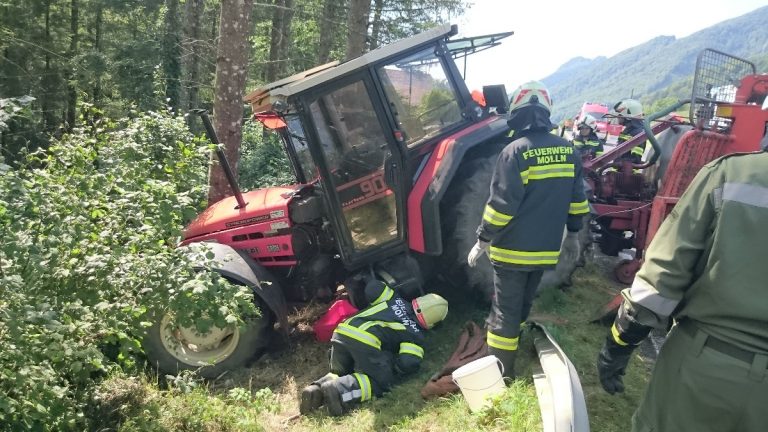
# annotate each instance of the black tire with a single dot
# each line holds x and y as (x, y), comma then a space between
(244, 343)
(461, 212)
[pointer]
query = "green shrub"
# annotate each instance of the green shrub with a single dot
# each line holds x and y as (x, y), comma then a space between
(88, 231)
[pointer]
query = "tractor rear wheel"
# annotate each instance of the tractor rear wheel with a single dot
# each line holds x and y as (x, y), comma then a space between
(461, 212)
(172, 348)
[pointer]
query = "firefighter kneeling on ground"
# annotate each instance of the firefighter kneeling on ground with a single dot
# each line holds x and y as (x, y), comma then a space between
(367, 350)
(705, 268)
(536, 191)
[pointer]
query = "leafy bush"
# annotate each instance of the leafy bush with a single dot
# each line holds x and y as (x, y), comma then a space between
(87, 253)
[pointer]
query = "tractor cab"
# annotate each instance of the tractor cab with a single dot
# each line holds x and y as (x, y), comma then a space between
(350, 131)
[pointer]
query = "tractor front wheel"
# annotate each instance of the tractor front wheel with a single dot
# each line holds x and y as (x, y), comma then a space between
(172, 348)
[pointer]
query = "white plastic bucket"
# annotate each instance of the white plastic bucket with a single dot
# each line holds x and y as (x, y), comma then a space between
(479, 380)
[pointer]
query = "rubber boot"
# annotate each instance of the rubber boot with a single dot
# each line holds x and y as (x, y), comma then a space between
(332, 399)
(507, 359)
(312, 396)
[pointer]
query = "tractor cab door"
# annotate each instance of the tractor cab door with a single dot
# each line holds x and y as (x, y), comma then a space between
(361, 169)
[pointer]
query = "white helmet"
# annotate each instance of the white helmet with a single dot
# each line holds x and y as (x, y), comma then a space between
(529, 94)
(587, 121)
(628, 108)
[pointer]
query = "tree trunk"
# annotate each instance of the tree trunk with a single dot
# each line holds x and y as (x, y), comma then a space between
(378, 6)
(192, 49)
(328, 29)
(172, 55)
(286, 38)
(71, 85)
(49, 118)
(274, 41)
(357, 27)
(231, 68)
(97, 45)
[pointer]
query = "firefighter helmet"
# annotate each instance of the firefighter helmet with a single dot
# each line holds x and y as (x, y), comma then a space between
(531, 93)
(588, 122)
(430, 309)
(628, 108)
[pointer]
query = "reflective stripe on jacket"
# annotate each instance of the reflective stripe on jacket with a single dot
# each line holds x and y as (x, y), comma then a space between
(632, 129)
(389, 324)
(589, 145)
(536, 190)
(707, 261)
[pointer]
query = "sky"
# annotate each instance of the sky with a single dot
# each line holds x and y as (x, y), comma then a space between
(548, 33)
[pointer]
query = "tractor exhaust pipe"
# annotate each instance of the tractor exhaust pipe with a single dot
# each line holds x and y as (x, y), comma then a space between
(211, 133)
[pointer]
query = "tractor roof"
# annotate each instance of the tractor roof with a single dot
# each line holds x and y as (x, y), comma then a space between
(263, 98)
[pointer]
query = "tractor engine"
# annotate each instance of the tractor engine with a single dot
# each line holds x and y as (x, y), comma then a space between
(282, 229)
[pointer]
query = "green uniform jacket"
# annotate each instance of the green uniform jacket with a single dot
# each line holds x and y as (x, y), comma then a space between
(708, 262)
(536, 188)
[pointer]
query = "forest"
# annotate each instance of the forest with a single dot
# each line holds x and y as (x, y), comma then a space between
(70, 63)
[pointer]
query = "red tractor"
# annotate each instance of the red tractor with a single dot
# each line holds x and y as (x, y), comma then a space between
(392, 158)
(632, 200)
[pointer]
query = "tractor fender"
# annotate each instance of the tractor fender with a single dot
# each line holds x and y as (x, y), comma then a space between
(240, 268)
(424, 230)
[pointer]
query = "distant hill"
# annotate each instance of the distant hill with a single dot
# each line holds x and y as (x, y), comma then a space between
(661, 67)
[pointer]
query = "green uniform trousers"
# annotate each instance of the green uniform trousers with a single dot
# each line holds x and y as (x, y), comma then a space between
(697, 388)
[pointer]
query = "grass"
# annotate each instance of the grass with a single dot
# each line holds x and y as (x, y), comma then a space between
(236, 403)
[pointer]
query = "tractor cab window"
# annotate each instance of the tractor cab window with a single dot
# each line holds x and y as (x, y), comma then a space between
(355, 149)
(298, 141)
(420, 95)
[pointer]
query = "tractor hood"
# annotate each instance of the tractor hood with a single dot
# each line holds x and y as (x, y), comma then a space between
(262, 206)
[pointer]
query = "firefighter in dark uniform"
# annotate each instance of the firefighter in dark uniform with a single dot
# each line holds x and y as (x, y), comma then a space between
(373, 346)
(629, 113)
(705, 268)
(536, 190)
(586, 141)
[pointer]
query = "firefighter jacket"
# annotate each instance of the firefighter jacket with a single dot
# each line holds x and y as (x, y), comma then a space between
(536, 189)
(387, 324)
(707, 261)
(588, 146)
(632, 129)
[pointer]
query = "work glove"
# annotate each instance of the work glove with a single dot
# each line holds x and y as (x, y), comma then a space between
(478, 249)
(612, 364)
(571, 248)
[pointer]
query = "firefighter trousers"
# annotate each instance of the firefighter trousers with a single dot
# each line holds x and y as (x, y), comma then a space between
(513, 293)
(695, 387)
(364, 372)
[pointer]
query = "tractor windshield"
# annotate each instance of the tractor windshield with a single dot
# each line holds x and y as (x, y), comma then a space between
(420, 96)
(298, 141)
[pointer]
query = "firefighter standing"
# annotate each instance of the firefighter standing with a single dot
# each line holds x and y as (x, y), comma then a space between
(705, 267)
(367, 350)
(587, 142)
(536, 190)
(629, 113)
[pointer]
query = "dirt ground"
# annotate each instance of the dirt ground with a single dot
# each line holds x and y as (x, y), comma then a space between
(290, 367)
